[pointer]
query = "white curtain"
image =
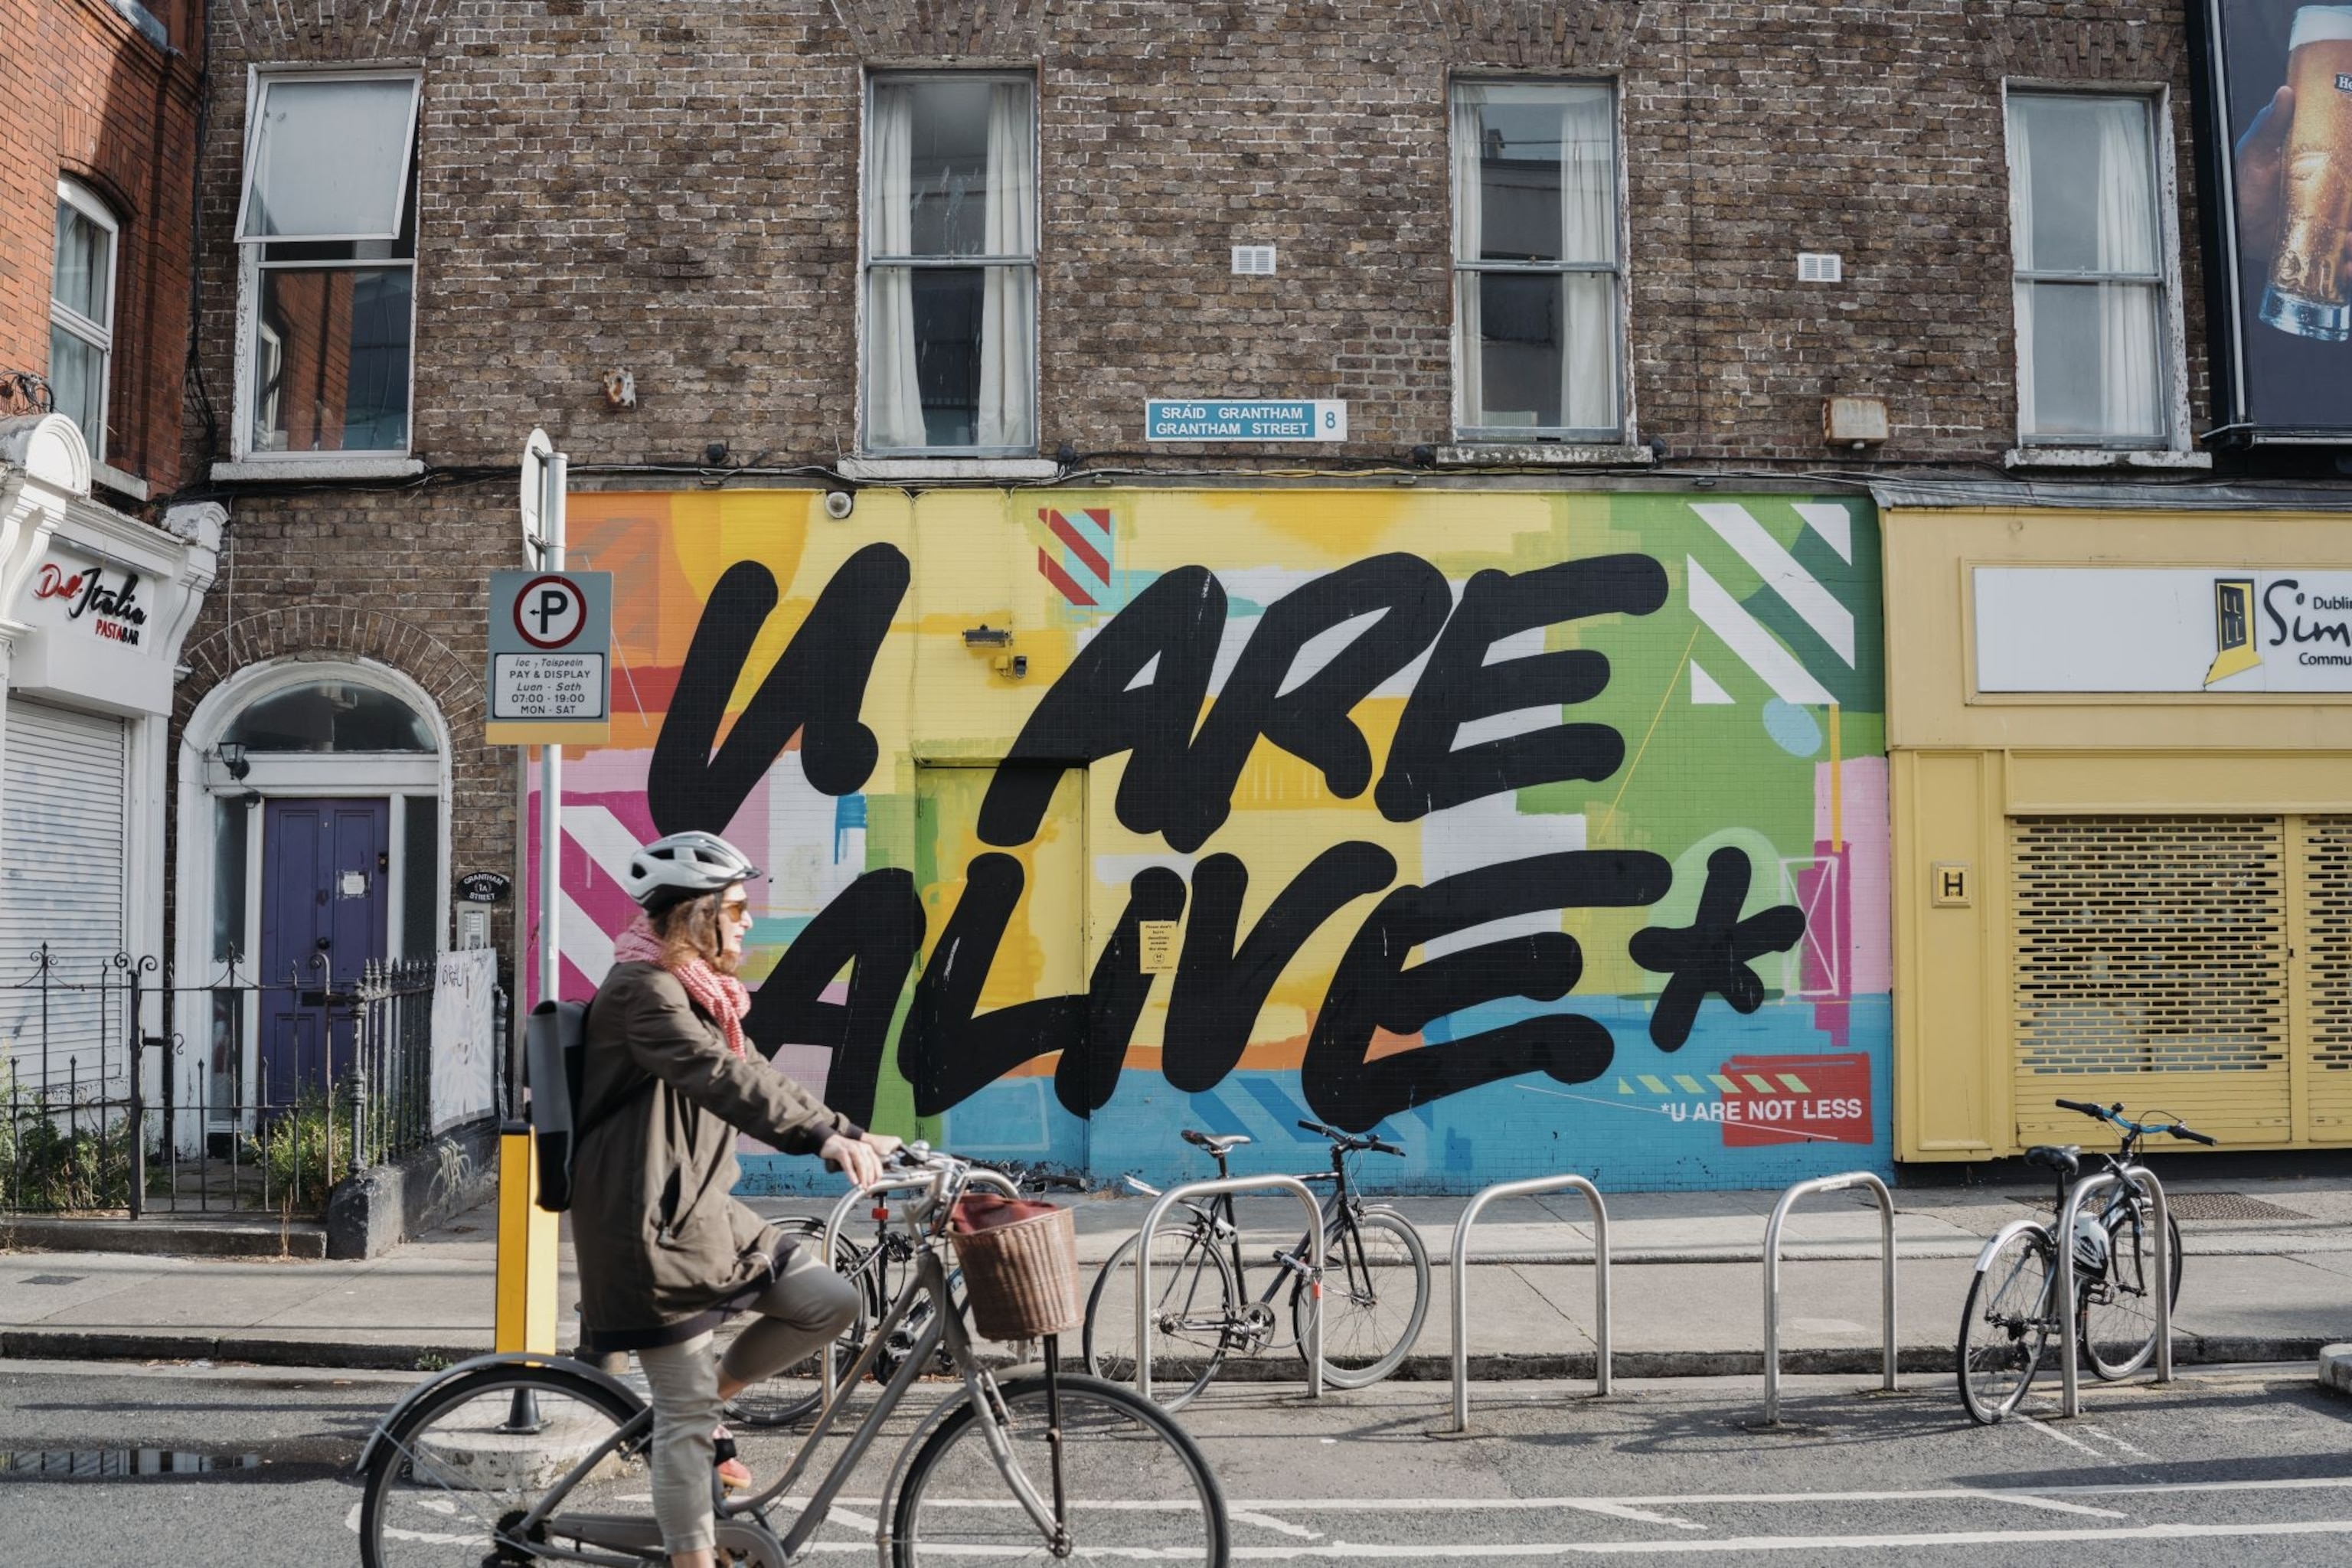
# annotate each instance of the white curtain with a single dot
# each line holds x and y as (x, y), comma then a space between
(2092, 348)
(1469, 226)
(2020, 219)
(1588, 218)
(2127, 326)
(894, 399)
(1008, 306)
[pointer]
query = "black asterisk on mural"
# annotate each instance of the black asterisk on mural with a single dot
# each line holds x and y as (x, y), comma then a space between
(1711, 953)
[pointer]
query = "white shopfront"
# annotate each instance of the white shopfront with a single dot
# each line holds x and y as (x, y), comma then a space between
(94, 606)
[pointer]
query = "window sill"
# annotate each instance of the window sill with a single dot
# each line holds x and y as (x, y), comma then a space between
(118, 481)
(298, 470)
(1545, 454)
(2103, 458)
(871, 470)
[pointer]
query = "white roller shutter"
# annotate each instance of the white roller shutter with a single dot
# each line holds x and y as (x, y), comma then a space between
(62, 884)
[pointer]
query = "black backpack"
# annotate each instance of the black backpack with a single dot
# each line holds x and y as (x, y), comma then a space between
(556, 1058)
(555, 1052)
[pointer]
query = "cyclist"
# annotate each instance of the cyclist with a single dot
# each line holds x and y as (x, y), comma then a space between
(665, 1251)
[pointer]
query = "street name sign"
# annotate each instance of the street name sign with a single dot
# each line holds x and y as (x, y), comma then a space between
(551, 656)
(1244, 419)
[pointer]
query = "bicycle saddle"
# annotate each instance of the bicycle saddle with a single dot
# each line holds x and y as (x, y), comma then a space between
(2066, 1157)
(1214, 1142)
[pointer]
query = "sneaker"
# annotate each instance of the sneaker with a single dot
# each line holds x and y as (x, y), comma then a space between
(734, 1473)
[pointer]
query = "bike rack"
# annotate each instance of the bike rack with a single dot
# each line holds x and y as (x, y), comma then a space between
(909, 1183)
(2069, 1401)
(1178, 1194)
(1839, 1183)
(1462, 1280)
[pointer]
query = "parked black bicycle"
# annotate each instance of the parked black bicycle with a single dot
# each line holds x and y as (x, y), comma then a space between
(2012, 1315)
(1375, 1286)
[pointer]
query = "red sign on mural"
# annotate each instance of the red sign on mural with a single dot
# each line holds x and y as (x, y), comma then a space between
(1781, 1100)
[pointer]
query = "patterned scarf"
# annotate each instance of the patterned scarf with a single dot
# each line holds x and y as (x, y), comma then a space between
(720, 995)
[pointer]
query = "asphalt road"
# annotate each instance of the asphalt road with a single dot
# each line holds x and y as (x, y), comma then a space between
(2242, 1466)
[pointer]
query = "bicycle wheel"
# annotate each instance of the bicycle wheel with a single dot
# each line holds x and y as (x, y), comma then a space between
(1195, 1310)
(1375, 1295)
(1137, 1486)
(794, 1394)
(450, 1484)
(2008, 1319)
(2117, 1326)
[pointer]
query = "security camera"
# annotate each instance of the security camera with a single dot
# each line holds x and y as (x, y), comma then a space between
(839, 504)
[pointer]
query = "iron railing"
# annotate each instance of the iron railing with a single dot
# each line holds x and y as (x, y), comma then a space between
(122, 1091)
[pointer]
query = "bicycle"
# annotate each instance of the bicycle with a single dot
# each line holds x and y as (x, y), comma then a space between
(521, 1459)
(1370, 1316)
(2011, 1312)
(878, 1271)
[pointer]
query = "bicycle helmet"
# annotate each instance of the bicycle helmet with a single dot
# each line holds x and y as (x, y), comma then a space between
(682, 866)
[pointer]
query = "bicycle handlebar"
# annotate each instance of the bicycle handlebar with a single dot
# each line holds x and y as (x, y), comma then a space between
(1351, 1141)
(2114, 1113)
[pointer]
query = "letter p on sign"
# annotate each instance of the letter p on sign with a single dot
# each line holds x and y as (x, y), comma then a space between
(549, 612)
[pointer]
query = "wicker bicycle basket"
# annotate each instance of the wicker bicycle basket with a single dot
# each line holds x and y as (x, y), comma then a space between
(1022, 1278)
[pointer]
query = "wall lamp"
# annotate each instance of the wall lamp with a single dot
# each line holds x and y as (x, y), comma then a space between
(233, 758)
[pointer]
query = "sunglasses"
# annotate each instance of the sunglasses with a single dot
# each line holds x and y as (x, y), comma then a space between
(736, 909)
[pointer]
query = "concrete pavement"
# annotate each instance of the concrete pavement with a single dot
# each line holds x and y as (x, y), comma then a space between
(2268, 1278)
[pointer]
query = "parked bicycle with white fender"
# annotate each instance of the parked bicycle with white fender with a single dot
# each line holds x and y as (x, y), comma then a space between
(2012, 1315)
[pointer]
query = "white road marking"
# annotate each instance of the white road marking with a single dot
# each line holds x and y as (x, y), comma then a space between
(2052, 1504)
(2104, 1436)
(1267, 1521)
(2050, 1431)
(1639, 1515)
(1426, 1551)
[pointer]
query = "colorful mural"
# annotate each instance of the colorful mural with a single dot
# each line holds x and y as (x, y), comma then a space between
(1536, 831)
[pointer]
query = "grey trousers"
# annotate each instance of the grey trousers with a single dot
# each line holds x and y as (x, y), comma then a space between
(807, 1307)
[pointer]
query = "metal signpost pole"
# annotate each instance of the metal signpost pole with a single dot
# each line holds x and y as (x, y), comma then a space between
(524, 1318)
(551, 763)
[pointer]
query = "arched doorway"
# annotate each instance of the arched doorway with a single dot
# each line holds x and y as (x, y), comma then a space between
(313, 813)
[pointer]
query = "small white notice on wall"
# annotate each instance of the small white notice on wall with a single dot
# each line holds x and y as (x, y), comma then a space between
(355, 884)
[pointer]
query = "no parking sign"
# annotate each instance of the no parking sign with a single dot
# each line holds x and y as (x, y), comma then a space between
(550, 646)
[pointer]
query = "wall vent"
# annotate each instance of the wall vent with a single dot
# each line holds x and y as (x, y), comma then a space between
(1253, 261)
(1819, 266)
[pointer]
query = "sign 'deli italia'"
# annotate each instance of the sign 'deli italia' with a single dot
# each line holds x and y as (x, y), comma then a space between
(2162, 628)
(1244, 419)
(105, 602)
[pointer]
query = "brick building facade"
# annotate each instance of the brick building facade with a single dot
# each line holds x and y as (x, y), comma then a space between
(688, 194)
(104, 560)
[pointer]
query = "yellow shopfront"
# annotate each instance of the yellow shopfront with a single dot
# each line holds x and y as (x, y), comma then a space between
(2120, 752)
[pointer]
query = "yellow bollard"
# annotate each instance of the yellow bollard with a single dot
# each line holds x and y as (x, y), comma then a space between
(527, 1249)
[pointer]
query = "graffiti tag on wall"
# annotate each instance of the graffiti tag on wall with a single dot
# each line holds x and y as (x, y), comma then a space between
(1428, 819)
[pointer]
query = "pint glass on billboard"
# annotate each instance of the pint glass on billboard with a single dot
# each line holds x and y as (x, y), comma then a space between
(2309, 294)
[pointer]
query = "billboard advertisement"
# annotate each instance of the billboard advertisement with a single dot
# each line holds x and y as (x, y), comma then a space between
(2280, 80)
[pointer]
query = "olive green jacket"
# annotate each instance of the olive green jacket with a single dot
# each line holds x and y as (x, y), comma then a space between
(663, 1246)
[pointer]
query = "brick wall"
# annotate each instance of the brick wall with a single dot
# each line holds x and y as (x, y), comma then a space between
(675, 189)
(83, 95)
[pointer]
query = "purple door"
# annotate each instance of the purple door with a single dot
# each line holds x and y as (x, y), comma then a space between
(325, 869)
